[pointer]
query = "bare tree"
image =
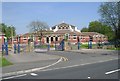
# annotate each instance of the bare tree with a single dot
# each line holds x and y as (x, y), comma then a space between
(110, 15)
(38, 27)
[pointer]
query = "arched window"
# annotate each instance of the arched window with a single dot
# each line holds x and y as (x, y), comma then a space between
(51, 39)
(47, 39)
(56, 38)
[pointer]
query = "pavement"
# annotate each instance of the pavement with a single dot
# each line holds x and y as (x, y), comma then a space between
(95, 51)
(26, 61)
(29, 57)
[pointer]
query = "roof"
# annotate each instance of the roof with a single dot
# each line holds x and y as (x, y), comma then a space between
(67, 31)
(43, 32)
(91, 33)
(63, 24)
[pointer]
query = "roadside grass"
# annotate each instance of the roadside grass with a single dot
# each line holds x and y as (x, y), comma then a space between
(86, 46)
(113, 49)
(4, 62)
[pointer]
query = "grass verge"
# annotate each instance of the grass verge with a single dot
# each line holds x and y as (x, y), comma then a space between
(4, 62)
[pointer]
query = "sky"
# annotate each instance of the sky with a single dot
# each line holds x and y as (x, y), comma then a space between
(20, 14)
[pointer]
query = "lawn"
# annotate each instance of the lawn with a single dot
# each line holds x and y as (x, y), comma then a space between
(4, 62)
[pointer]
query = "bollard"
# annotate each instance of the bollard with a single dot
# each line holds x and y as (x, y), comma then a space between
(14, 48)
(2, 49)
(48, 47)
(6, 48)
(62, 43)
(90, 44)
(18, 48)
(78, 45)
(55, 46)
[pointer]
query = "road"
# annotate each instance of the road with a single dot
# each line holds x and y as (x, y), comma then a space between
(92, 71)
(78, 66)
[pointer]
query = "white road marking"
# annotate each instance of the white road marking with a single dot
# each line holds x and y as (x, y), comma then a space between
(15, 76)
(112, 71)
(33, 74)
(89, 77)
(31, 70)
(37, 69)
(77, 65)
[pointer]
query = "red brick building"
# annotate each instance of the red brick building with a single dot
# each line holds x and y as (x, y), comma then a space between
(2, 36)
(57, 33)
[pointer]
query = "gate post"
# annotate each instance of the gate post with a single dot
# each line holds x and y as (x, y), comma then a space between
(14, 48)
(18, 47)
(3, 49)
(6, 48)
(78, 45)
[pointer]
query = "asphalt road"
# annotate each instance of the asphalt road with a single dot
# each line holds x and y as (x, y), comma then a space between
(78, 66)
(91, 71)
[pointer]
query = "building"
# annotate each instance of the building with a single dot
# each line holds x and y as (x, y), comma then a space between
(2, 36)
(57, 33)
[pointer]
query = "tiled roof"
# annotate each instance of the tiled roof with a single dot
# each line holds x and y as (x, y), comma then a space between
(43, 31)
(67, 31)
(91, 33)
(63, 24)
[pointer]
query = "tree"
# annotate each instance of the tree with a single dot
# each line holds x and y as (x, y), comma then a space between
(110, 15)
(8, 30)
(96, 26)
(84, 29)
(38, 27)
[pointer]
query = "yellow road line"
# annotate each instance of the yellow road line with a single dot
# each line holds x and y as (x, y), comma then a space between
(65, 59)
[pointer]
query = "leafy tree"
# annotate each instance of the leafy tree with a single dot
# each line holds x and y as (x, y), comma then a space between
(110, 15)
(38, 27)
(84, 29)
(96, 26)
(8, 30)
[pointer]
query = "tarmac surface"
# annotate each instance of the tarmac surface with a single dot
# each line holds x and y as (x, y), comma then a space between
(25, 61)
(74, 58)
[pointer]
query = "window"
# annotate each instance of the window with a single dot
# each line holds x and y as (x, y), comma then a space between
(51, 39)
(56, 38)
(47, 39)
(74, 37)
(24, 36)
